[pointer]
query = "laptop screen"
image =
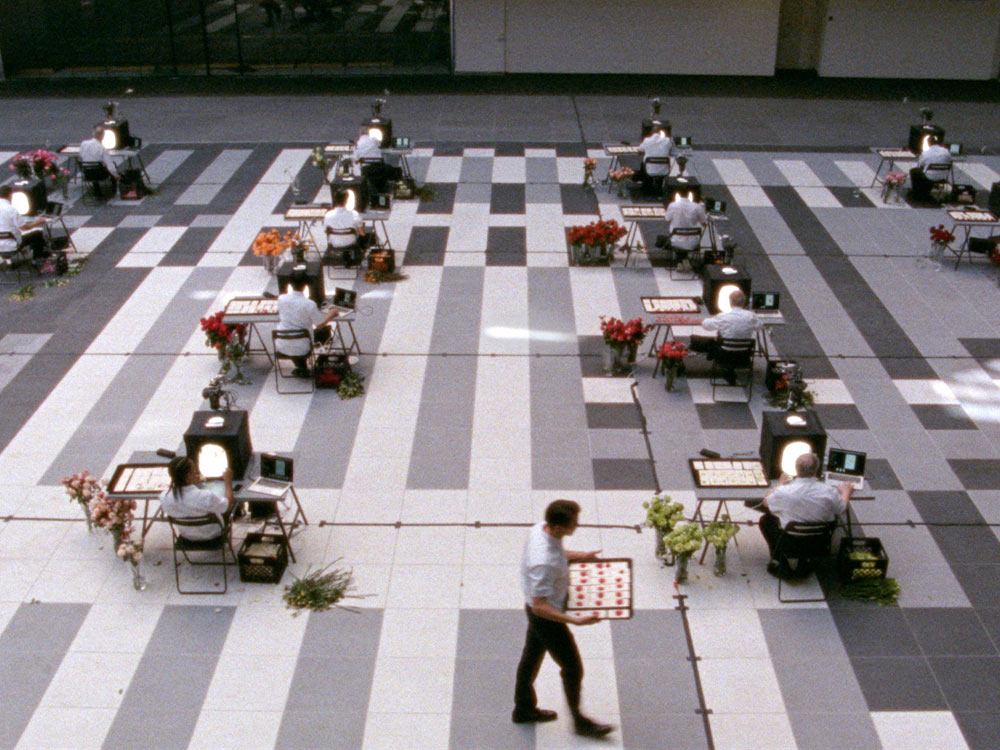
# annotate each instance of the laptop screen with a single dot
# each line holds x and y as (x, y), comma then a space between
(344, 298)
(273, 466)
(684, 141)
(766, 300)
(846, 462)
(714, 206)
(955, 149)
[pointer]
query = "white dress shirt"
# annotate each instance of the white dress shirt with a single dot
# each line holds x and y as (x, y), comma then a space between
(685, 214)
(544, 568)
(342, 218)
(806, 500)
(936, 154)
(367, 148)
(91, 150)
(296, 311)
(10, 221)
(656, 144)
(194, 501)
(735, 324)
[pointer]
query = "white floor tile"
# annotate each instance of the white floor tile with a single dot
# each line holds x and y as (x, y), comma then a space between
(739, 686)
(66, 728)
(431, 586)
(491, 587)
(396, 731)
(903, 730)
(251, 730)
(423, 633)
(412, 685)
(752, 731)
(269, 674)
(91, 680)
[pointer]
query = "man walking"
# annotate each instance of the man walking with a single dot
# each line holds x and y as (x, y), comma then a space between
(545, 582)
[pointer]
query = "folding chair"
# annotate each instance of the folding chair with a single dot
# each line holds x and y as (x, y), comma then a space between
(733, 355)
(182, 545)
(94, 175)
(334, 256)
(15, 260)
(681, 254)
(295, 334)
(804, 543)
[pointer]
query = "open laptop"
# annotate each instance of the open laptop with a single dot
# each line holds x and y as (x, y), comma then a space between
(343, 299)
(766, 303)
(683, 141)
(955, 149)
(846, 466)
(275, 476)
(715, 207)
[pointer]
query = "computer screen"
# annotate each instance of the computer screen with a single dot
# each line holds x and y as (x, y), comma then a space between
(846, 462)
(273, 466)
(766, 300)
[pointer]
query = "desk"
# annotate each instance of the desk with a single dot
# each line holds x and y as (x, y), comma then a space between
(890, 156)
(342, 150)
(250, 311)
(969, 218)
(308, 215)
(145, 482)
(616, 151)
(633, 214)
(124, 155)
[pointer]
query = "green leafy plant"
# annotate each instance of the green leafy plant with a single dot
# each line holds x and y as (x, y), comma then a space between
(351, 385)
(25, 292)
(884, 591)
(662, 514)
(684, 540)
(320, 589)
(423, 192)
(718, 533)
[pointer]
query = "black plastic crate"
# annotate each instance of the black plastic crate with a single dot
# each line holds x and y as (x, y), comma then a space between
(262, 558)
(875, 563)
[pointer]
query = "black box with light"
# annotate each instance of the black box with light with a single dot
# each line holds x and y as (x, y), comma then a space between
(357, 190)
(315, 288)
(379, 128)
(786, 435)
(216, 440)
(919, 133)
(116, 135)
(29, 196)
(655, 123)
(719, 282)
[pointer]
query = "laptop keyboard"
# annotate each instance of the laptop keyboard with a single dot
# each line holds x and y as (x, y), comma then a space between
(858, 482)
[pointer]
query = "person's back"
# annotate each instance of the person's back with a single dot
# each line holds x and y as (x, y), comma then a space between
(934, 154)
(343, 224)
(657, 145)
(736, 323)
(685, 214)
(367, 148)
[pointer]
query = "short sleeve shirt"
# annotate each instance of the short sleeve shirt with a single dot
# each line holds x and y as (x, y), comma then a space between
(367, 148)
(685, 214)
(10, 223)
(806, 500)
(341, 218)
(92, 150)
(935, 154)
(296, 311)
(194, 501)
(735, 324)
(544, 568)
(656, 144)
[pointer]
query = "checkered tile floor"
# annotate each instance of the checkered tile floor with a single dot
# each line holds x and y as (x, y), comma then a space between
(486, 398)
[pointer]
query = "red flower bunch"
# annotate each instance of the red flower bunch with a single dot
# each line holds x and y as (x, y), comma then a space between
(619, 333)
(596, 233)
(41, 162)
(672, 351)
(941, 236)
(218, 334)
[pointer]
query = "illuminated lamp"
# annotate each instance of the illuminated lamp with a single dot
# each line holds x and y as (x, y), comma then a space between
(315, 288)
(655, 123)
(785, 436)
(116, 135)
(715, 279)
(29, 196)
(379, 128)
(214, 445)
(919, 134)
(357, 191)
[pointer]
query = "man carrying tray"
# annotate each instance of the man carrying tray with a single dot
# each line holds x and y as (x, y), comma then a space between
(545, 582)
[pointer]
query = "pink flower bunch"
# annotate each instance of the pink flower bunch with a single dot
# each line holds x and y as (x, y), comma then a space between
(620, 333)
(41, 162)
(672, 351)
(941, 236)
(895, 178)
(130, 551)
(590, 164)
(114, 514)
(83, 487)
(621, 174)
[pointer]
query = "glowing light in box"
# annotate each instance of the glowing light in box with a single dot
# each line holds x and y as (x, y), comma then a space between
(722, 297)
(376, 133)
(21, 202)
(791, 452)
(212, 460)
(110, 140)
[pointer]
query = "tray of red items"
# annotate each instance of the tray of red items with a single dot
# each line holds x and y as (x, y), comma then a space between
(602, 588)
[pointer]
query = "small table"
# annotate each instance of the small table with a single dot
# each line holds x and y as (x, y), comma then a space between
(890, 156)
(969, 218)
(125, 155)
(250, 311)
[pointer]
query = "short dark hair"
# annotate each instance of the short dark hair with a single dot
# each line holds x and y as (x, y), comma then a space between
(340, 197)
(807, 465)
(178, 469)
(6, 191)
(298, 280)
(562, 512)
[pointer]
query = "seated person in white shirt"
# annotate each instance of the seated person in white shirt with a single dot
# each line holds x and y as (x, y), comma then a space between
(13, 227)
(378, 173)
(93, 151)
(657, 144)
(339, 219)
(682, 213)
(296, 312)
(186, 498)
(804, 499)
(737, 323)
(935, 153)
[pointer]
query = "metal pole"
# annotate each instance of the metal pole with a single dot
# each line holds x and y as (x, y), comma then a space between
(204, 34)
(170, 31)
(240, 67)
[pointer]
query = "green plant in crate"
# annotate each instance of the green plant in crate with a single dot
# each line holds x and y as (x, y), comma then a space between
(684, 541)
(718, 533)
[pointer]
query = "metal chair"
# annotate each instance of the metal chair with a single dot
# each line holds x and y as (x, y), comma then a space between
(334, 256)
(220, 543)
(805, 543)
(681, 254)
(938, 173)
(733, 355)
(659, 178)
(94, 174)
(15, 260)
(294, 334)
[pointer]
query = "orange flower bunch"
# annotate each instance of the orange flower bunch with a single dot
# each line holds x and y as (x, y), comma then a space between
(596, 233)
(274, 243)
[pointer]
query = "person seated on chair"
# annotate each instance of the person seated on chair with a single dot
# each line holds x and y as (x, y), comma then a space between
(374, 168)
(684, 213)
(93, 151)
(186, 498)
(802, 499)
(657, 144)
(737, 323)
(936, 154)
(296, 312)
(340, 217)
(14, 229)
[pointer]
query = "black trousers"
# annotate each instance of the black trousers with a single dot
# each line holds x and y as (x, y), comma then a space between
(770, 527)
(552, 637)
(921, 184)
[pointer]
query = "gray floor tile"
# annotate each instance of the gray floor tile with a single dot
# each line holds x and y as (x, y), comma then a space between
(819, 685)
(507, 198)
(656, 686)
(977, 473)
(623, 474)
(880, 476)
(660, 632)
(899, 684)
(491, 634)
(443, 200)
(480, 731)
(476, 169)
(949, 632)
(612, 416)
(681, 731)
(618, 444)
(942, 417)
(834, 731)
(725, 416)
(841, 417)
(485, 686)
(801, 634)
(875, 632)
(473, 192)
(577, 201)
(320, 730)
(979, 729)
(567, 474)
(426, 246)
(542, 192)
(336, 631)
(969, 683)
(980, 582)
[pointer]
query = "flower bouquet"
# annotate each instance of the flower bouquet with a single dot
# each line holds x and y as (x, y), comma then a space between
(589, 165)
(662, 516)
(718, 533)
(42, 164)
(684, 541)
(623, 339)
(116, 514)
(671, 357)
(892, 187)
(83, 487)
(595, 242)
(230, 343)
(619, 176)
(791, 394)
(941, 238)
(321, 161)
